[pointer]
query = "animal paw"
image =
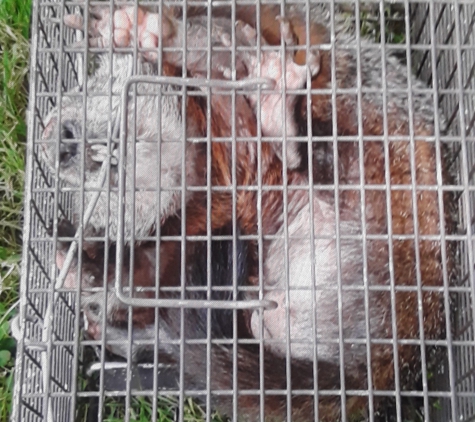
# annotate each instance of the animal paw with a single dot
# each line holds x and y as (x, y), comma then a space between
(278, 107)
(247, 31)
(99, 154)
(120, 28)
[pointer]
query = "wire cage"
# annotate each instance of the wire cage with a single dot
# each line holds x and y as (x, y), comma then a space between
(141, 350)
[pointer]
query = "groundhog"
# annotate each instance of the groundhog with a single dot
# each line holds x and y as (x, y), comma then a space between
(350, 244)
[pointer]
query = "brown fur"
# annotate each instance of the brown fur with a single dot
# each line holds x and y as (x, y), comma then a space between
(401, 219)
(401, 201)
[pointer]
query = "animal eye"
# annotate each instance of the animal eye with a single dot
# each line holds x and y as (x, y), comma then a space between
(69, 130)
(64, 157)
(68, 134)
(94, 308)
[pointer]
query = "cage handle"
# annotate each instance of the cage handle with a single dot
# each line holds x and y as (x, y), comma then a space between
(251, 83)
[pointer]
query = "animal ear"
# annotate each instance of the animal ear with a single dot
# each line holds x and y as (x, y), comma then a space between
(91, 250)
(65, 229)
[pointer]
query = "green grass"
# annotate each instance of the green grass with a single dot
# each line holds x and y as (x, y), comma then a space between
(14, 53)
(394, 31)
(141, 410)
(370, 21)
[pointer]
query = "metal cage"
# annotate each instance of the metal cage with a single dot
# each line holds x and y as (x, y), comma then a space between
(56, 363)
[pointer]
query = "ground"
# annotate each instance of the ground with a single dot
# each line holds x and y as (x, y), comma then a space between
(14, 34)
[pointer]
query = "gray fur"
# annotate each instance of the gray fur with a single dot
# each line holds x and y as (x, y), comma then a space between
(172, 147)
(308, 316)
(301, 308)
(371, 66)
(147, 211)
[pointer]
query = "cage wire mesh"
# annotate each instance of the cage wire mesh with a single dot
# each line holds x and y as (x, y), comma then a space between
(142, 349)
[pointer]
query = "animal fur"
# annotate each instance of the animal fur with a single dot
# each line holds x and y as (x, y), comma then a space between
(151, 142)
(344, 294)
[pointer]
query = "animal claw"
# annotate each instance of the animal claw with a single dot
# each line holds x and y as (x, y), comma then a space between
(286, 30)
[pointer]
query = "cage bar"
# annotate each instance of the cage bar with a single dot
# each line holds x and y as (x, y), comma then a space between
(61, 374)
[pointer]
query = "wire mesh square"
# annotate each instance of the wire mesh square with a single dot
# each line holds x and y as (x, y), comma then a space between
(187, 325)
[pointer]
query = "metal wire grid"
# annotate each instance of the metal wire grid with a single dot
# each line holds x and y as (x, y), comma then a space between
(454, 76)
(46, 386)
